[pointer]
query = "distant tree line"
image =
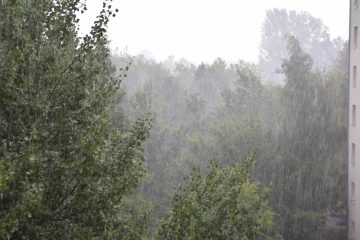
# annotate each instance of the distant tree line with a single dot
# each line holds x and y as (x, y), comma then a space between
(226, 111)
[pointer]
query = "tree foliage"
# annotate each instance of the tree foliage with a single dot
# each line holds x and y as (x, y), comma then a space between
(312, 146)
(64, 168)
(73, 147)
(222, 204)
(298, 131)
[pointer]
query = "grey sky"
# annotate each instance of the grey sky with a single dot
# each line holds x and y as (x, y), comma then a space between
(201, 30)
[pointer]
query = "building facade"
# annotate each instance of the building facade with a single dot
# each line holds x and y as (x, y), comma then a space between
(354, 125)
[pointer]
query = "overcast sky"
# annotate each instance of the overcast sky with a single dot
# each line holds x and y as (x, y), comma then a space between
(201, 30)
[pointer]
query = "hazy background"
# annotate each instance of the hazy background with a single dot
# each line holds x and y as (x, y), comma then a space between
(204, 30)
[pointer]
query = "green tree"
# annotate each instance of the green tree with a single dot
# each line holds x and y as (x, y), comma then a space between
(64, 168)
(222, 204)
(248, 121)
(312, 148)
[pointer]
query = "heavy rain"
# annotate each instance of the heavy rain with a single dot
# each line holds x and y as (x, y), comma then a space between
(171, 120)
